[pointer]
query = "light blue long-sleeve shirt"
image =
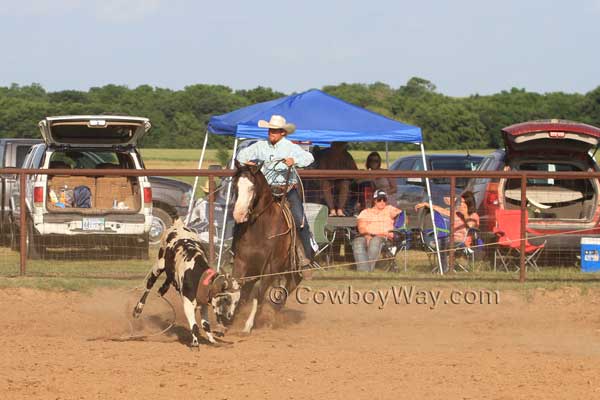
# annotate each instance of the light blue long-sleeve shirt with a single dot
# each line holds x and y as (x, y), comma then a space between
(276, 173)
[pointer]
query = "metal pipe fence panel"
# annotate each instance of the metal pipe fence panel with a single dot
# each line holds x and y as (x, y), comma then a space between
(556, 209)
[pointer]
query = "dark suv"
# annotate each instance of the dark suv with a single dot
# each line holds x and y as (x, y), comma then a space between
(561, 210)
(411, 191)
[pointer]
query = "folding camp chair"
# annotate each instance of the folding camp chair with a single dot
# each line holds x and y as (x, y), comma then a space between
(199, 221)
(200, 224)
(508, 248)
(400, 243)
(317, 214)
(462, 249)
(428, 240)
(442, 225)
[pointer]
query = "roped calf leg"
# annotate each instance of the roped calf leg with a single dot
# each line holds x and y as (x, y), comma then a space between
(205, 323)
(157, 269)
(170, 279)
(189, 309)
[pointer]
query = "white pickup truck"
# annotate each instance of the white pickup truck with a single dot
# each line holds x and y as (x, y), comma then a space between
(113, 211)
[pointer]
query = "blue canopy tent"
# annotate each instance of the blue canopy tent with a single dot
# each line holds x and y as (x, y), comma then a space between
(319, 118)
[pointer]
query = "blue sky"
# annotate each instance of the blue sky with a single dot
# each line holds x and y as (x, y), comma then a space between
(462, 46)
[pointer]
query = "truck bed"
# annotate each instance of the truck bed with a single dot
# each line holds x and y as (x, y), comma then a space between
(104, 192)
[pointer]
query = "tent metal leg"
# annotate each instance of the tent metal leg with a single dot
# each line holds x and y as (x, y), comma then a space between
(191, 205)
(431, 213)
(224, 226)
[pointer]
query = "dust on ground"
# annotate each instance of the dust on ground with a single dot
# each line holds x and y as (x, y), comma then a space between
(545, 345)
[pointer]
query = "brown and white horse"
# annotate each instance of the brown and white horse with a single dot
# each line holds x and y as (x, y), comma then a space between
(262, 240)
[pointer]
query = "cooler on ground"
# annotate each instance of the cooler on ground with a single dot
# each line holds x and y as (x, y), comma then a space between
(590, 254)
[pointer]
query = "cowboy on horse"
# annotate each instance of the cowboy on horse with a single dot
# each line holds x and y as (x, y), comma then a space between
(278, 155)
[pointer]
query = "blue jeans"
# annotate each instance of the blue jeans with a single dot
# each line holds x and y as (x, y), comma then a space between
(366, 256)
(301, 222)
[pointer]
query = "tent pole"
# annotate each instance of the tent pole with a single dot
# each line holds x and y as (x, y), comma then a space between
(387, 156)
(431, 211)
(235, 144)
(192, 198)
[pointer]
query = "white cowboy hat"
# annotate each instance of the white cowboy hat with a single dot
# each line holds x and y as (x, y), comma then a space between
(204, 187)
(277, 122)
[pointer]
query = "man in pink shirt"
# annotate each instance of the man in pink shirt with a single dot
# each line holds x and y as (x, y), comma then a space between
(374, 226)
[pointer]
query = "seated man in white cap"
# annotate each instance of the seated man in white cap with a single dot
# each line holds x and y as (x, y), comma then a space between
(374, 225)
(276, 148)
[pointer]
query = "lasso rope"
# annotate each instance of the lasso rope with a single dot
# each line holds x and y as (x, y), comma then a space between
(393, 258)
(132, 336)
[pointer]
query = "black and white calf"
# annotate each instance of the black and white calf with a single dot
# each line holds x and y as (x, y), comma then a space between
(183, 259)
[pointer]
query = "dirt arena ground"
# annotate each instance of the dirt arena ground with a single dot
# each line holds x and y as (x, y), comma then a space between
(538, 345)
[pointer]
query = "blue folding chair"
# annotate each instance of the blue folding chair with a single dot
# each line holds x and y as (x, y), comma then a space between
(401, 241)
(442, 226)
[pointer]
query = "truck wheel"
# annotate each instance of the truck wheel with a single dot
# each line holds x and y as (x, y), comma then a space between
(161, 221)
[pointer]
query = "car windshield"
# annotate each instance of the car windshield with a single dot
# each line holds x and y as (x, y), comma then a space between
(90, 159)
(546, 167)
(460, 164)
(78, 133)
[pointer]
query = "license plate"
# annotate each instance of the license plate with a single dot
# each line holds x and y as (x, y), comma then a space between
(93, 224)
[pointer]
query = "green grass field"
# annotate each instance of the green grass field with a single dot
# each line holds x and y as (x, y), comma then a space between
(96, 272)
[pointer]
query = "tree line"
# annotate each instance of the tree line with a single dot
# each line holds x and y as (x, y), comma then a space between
(179, 117)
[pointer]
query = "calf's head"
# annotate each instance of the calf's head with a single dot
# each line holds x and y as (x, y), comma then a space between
(225, 298)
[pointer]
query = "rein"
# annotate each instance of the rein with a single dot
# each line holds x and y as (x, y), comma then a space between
(251, 211)
(255, 216)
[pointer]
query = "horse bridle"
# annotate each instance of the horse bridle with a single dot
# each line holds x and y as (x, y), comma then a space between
(252, 215)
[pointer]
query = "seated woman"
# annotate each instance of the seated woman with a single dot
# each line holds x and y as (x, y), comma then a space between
(374, 225)
(465, 218)
(367, 186)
